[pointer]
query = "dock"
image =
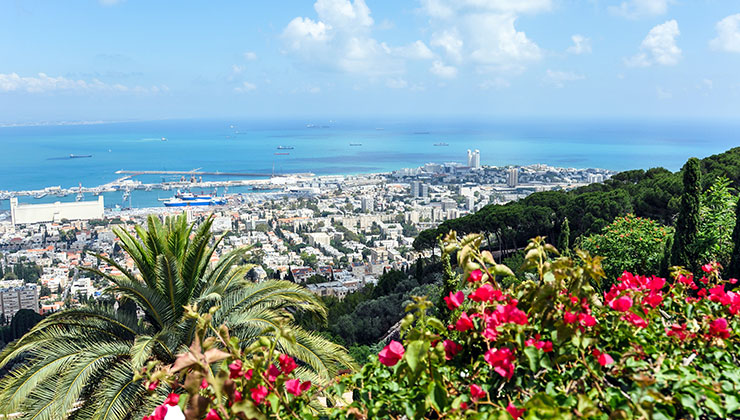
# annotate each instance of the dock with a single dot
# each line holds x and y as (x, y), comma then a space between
(247, 174)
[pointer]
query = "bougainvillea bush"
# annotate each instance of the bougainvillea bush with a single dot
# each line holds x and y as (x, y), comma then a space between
(548, 347)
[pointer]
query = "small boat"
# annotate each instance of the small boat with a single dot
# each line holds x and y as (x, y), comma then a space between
(285, 147)
(441, 144)
(164, 138)
(281, 154)
(72, 156)
(355, 144)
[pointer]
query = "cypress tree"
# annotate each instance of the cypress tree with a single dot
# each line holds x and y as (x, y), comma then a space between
(564, 239)
(734, 268)
(687, 225)
(665, 263)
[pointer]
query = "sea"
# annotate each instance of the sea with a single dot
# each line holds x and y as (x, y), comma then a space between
(35, 157)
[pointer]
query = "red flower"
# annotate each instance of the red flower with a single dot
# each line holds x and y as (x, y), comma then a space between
(213, 415)
(482, 294)
(248, 374)
(586, 320)
(464, 323)
(476, 392)
(569, 317)
(451, 349)
(547, 347)
(463, 406)
(159, 413)
(204, 383)
(454, 300)
(635, 320)
(272, 373)
(605, 359)
(475, 276)
(172, 399)
(295, 387)
(622, 304)
(287, 364)
(258, 394)
(718, 328)
(392, 353)
(677, 330)
(502, 360)
(707, 268)
(514, 412)
(153, 385)
(237, 396)
(235, 369)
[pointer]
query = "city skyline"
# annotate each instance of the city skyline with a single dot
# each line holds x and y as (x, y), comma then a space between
(119, 60)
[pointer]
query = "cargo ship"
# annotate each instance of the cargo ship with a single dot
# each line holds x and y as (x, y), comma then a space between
(285, 147)
(179, 202)
(71, 156)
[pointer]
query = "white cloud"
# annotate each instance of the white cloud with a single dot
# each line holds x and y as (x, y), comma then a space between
(581, 45)
(497, 45)
(634, 9)
(658, 47)
(482, 33)
(448, 8)
(245, 87)
(450, 42)
(340, 40)
(415, 51)
(559, 78)
(250, 55)
(43, 83)
(728, 34)
(444, 71)
(396, 83)
(236, 69)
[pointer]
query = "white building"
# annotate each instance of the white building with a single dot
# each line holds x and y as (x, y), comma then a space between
(474, 159)
(318, 239)
(367, 204)
(512, 179)
(55, 212)
(13, 299)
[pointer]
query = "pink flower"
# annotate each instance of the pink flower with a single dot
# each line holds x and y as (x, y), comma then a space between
(482, 294)
(475, 276)
(237, 396)
(569, 317)
(293, 386)
(153, 385)
(676, 330)
(213, 415)
(287, 364)
(547, 347)
(392, 353)
(476, 392)
(605, 359)
(586, 320)
(235, 369)
(464, 323)
(272, 373)
(622, 304)
(502, 360)
(258, 394)
(635, 320)
(454, 300)
(204, 383)
(514, 412)
(707, 268)
(159, 413)
(172, 399)
(451, 349)
(248, 374)
(718, 328)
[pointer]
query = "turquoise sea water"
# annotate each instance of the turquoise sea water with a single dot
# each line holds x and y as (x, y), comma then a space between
(37, 157)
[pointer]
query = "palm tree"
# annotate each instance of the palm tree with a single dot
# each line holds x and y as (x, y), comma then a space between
(80, 363)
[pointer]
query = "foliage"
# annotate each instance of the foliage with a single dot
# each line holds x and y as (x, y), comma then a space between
(86, 357)
(716, 222)
(734, 266)
(687, 225)
(630, 243)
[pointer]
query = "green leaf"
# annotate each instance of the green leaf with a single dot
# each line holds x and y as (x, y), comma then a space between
(533, 356)
(437, 397)
(415, 353)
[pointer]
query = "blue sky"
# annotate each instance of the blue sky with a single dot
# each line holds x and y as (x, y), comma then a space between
(139, 59)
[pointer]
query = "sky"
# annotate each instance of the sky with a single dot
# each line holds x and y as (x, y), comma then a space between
(117, 60)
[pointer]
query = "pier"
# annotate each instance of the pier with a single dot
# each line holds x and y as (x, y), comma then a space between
(247, 174)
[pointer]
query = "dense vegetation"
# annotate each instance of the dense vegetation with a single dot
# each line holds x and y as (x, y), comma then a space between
(655, 194)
